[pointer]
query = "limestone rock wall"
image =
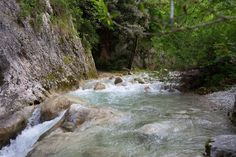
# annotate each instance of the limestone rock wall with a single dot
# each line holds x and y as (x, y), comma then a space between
(34, 62)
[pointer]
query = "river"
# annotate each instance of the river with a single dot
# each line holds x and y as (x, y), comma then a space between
(153, 123)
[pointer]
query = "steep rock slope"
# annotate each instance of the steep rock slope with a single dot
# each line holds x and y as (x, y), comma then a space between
(35, 61)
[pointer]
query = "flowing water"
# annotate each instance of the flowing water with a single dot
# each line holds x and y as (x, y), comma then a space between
(25, 141)
(154, 123)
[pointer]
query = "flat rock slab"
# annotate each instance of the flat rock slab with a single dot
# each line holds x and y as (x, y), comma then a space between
(223, 146)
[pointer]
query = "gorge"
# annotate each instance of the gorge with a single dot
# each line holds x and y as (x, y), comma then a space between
(52, 102)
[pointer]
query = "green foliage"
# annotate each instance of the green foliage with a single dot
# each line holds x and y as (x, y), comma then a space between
(103, 14)
(126, 28)
(211, 48)
(30, 8)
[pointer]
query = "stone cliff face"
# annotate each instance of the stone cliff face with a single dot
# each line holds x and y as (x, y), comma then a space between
(33, 62)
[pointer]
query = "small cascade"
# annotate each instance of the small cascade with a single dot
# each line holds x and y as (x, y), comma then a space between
(24, 142)
(35, 118)
(130, 86)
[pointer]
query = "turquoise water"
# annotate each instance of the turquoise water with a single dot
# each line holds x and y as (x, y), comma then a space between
(155, 123)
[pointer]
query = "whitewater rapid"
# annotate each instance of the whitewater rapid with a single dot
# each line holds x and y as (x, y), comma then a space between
(24, 142)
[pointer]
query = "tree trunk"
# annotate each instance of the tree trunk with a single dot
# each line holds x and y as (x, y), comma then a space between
(172, 10)
(104, 53)
(133, 53)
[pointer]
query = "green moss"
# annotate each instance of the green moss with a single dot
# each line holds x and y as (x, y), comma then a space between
(91, 74)
(50, 77)
(67, 59)
(54, 75)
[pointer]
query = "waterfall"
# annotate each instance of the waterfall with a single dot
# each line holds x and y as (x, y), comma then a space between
(24, 142)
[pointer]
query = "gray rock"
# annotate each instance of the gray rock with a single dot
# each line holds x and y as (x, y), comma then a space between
(52, 106)
(118, 80)
(222, 146)
(11, 125)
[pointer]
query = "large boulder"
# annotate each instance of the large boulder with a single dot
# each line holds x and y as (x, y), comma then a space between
(51, 107)
(80, 114)
(11, 125)
(221, 146)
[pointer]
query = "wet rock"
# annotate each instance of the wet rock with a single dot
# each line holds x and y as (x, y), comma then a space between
(11, 125)
(171, 90)
(111, 77)
(118, 80)
(68, 126)
(221, 146)
(156, 128)
(51, 107)
(139, 80)
(99, 86)
(165, 87)
(79, 115)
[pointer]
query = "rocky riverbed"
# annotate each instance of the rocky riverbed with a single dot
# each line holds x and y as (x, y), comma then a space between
(132, 115)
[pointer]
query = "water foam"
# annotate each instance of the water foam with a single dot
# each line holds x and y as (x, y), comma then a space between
(25, 141)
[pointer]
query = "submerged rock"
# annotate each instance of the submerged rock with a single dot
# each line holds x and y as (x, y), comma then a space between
(221, 146)
(51, 107)
(118, 80)
(99, 86)
(79, 114)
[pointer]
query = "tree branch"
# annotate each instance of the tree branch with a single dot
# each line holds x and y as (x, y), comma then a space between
(221, 18)
(189, 28)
